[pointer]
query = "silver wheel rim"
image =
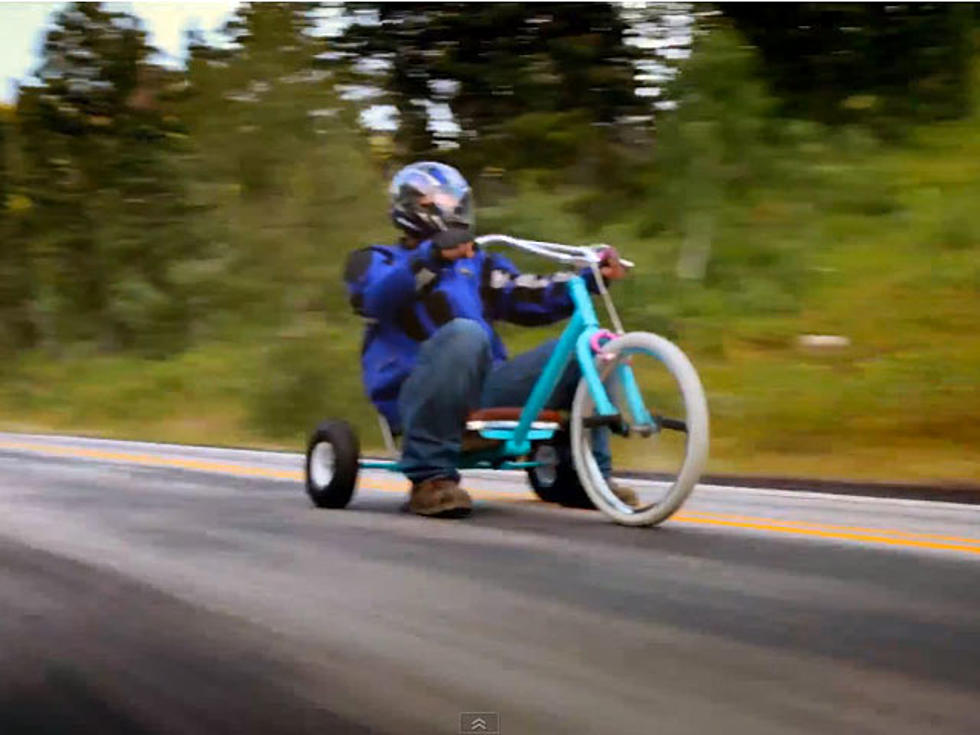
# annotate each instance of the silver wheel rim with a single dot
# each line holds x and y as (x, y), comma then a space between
(696, 439)
(322, 464)
(546, 473)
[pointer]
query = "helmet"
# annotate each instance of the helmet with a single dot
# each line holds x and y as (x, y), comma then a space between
(428, 197)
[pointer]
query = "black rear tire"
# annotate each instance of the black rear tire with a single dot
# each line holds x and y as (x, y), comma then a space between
(333, 442)
(558, 482)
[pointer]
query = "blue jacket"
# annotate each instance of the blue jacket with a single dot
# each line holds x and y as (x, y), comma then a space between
(407, 294)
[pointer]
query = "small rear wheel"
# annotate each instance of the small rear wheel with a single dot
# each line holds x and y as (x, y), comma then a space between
(555, 480)
(332, 457)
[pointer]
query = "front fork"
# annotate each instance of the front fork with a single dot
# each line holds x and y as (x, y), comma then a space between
(588, 350)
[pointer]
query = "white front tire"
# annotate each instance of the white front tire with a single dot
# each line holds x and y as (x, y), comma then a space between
(696, 420)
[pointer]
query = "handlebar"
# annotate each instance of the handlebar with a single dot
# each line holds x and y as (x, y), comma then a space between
(573, 254)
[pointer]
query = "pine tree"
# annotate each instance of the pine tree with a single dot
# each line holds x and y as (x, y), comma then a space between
(712, 144)
(879, 63)
(103, 164)
(4, 172)
(283, 159)
(527, 85)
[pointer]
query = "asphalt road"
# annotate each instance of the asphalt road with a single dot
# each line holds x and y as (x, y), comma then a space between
(152, 588)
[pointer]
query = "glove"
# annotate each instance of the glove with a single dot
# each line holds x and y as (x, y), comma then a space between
(608, 254)
(609, 265)
(454, 236)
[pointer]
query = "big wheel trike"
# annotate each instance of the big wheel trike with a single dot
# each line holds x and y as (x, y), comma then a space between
(636, 385)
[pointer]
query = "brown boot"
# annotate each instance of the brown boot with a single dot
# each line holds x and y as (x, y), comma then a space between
(626, 494)
(441, 497)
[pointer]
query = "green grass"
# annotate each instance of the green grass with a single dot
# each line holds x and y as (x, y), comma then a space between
(886, 252)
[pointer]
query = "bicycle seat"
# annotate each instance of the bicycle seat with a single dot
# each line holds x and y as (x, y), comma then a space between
(507, 418)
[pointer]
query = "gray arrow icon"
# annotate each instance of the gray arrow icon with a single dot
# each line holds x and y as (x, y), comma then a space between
(479, 723)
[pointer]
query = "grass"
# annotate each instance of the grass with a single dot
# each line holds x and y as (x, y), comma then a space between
(887, 255)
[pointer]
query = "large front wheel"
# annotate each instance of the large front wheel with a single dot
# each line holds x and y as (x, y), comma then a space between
(673, 445)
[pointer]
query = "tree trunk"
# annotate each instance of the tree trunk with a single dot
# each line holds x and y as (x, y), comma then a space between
(692, 262)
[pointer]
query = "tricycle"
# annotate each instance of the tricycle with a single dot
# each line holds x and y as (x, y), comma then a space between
(637, 385)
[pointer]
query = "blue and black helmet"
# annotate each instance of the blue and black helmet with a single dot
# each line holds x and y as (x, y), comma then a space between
(429, 197)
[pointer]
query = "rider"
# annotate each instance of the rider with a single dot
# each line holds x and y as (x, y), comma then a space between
(430, 354)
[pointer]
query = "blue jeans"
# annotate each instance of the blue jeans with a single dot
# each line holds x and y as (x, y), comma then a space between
(455, 375)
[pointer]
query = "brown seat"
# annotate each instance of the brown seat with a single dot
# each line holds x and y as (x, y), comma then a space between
(511, 414)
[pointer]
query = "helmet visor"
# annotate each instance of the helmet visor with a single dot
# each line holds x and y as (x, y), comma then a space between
(452, 210)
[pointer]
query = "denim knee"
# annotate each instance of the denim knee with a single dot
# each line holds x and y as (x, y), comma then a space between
(464, 335)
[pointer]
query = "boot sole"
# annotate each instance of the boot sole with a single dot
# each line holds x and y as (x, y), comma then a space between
(443, 511)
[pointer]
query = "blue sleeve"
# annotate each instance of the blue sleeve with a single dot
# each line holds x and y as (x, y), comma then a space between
(378, 284)
(527, 299)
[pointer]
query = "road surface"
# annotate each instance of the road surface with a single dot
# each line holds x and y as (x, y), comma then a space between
(152, 588)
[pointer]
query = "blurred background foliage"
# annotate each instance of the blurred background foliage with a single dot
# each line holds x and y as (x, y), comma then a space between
(171, 239)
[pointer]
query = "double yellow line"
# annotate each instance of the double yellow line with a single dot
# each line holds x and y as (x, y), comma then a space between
(891, 537)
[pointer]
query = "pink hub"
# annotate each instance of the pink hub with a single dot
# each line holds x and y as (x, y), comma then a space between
(599, 339)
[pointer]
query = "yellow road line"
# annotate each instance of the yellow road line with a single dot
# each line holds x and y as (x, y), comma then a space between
(697, 515)
(893, 537)
(225, 468)
(879, 538)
